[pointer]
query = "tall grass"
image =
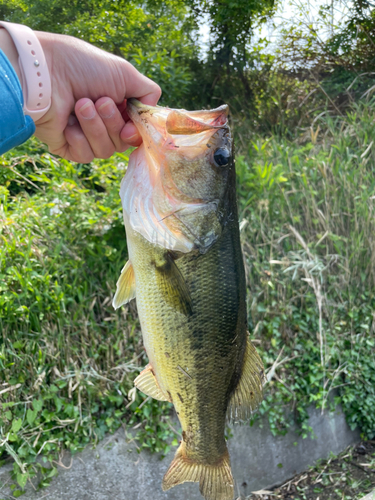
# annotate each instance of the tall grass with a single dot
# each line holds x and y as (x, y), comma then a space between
(309, 241)
(323, 185)
(67, 359)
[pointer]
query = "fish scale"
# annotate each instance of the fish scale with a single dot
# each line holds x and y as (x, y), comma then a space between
(204, 344)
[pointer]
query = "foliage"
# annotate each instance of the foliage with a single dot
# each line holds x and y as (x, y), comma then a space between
(67, 360)
(347, 476)
(354, 41)
(330, 45)
(309, 246)
(231, 25)
(157, 37)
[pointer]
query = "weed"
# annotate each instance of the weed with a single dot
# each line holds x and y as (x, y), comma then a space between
(348, 476)
(67, 359)
(308, 244)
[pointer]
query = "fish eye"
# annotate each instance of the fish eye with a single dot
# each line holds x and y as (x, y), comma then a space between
(221, 157)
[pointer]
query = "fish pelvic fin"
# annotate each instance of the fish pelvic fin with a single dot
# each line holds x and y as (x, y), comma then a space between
(147, 383)
(215, 480)
(249, 391)
(125, 286)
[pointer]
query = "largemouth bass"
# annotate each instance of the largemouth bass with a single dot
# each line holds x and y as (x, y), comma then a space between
(186, 270)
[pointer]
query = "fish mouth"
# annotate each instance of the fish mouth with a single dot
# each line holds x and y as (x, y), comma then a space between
(159, 122)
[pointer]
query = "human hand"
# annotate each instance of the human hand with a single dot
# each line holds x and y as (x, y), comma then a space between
(98, 130)
(81, 75)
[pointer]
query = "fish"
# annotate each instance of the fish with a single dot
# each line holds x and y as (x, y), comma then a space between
(186, 272)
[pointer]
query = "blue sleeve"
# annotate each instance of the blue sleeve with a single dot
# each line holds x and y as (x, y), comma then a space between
(15, 127)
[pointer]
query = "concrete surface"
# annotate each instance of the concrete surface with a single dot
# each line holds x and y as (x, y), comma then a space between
(114, 470)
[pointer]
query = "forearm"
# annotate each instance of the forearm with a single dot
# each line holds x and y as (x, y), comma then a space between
(9, 49)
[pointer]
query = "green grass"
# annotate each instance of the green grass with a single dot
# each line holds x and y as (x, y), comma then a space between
(308, 206)
(67, 359)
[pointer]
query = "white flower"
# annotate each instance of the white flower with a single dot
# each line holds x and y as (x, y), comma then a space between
(59, 206)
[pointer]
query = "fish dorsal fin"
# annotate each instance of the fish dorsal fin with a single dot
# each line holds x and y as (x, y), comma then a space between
(249, 391)
(147, 383)
(172, 284)
(125, 286)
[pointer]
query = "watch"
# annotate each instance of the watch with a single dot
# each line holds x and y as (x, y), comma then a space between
(35, 77)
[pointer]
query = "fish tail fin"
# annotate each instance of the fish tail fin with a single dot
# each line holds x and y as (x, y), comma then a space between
(215, 481)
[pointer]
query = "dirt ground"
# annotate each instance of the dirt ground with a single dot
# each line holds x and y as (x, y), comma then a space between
(349, 476)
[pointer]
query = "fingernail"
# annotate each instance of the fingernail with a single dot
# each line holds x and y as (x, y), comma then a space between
(72, 120)
(107, 109)
(132, 138)
(87, 110)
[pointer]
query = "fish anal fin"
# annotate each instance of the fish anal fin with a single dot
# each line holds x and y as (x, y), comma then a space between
(125, 286)
(249, 391)
(147, 383)
(215, 480)
(172, 284)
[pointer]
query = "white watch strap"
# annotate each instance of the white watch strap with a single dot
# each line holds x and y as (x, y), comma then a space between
(35, 77)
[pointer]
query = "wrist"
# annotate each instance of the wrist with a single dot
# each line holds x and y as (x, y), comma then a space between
(9, 49)
(46, 42)
(57, 49)
(33, 69)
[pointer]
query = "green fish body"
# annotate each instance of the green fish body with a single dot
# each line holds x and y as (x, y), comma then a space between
(189, 282)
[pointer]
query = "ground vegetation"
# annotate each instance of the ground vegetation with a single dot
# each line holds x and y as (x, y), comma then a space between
(304, 132)
(347, 476)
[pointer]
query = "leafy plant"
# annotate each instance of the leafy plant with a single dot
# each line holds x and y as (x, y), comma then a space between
(308, 240)
(67, 359)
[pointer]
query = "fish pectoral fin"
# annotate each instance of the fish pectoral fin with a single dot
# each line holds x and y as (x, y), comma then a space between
(215, 480)
(172, 285)
(147, 383)
(249, 391)
(125, 286)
